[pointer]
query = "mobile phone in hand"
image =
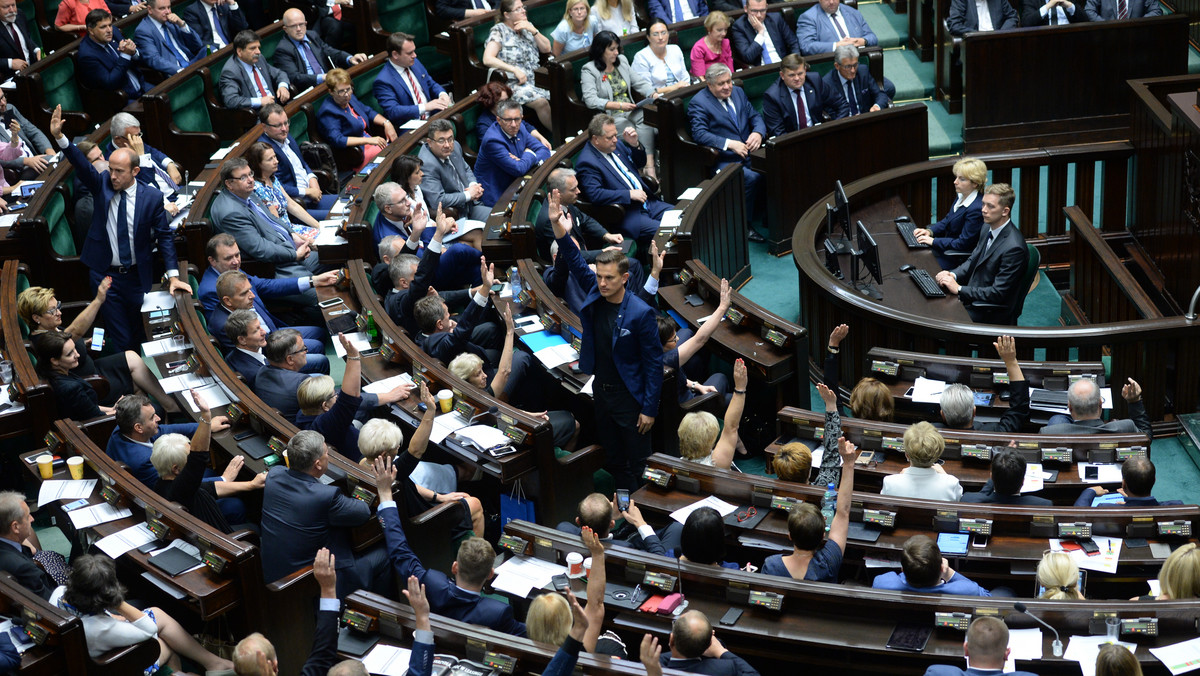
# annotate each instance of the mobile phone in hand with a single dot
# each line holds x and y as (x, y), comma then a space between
(622, 500)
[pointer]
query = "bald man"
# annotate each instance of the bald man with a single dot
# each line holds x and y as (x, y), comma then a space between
(304, 56)
(695, 648)
(1085, 406)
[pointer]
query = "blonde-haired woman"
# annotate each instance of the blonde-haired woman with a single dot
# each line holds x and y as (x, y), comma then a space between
(573, 33)
(615, 15)
(1180, 574)
(1059, 575)
(550, 618)
(698, 431)
(958, 231)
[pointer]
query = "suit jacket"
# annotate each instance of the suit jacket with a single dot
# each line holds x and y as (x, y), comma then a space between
(987, 495)
(285, 173)
(238, 88)
(636, 349)
(666, 9)
(725, 665)
(747, 50)
(964, 16)
(947, 670)
(446, 345)
(399, 304)
(994, 276)
(146, 175)
(560, 282)
(337, 124)
(231, 22)
(596, 88)
(456, 10)
(496, 169)
(393, 96)
(324, 648)
(149, 223)
(11, 50)
(711, 124)
(99, 66)
(959, 230)
(76, 398)
(288, 59)
(155, 51)
(959, 585)
(25, 570)
(277, 388)
(301, 515)
(137, 456)
(1089, 494)
(1106, 10)
(286, 286)
(601, 184)
(445, 184)
(779, 107)
(816, 34)
(33, 139)
(866, 90)
(1014, 419)
(445, 597)
(587, 233)
(1138, 422)
(1031, 14)
(244, 364)
(257, 238)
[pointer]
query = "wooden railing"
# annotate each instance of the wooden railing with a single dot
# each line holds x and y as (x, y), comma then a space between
(1104, 289)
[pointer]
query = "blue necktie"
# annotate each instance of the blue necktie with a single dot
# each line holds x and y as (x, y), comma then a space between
(135, 86)
(123, 251)
(678, 12)
(174, 47)
(314, 66)
(216, 21)
(287, 235)
(732, 113)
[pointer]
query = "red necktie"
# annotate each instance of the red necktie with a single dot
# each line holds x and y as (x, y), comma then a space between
(262, 91)
(416, 90)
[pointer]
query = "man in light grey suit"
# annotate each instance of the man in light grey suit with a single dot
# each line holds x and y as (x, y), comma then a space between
(248, 81)
(1107, 10)
(35, 147)
(259, 235)
(448, 179)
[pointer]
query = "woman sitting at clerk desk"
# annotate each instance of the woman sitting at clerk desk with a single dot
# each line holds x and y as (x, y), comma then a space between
(958, 231)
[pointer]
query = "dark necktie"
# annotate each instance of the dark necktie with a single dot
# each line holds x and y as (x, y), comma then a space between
(851, 97)
(837, 25)
(12, 32)
(1122, 9)
(801, 116)
(122, 229)
(314, 66)
(176, 51)
(1053, 16)
(218, 32)
(283, 232)
(732, 113)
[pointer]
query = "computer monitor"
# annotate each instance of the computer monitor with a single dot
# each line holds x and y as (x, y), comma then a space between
(832, 263)
(843, 209)
(868, 256)
(837, 235)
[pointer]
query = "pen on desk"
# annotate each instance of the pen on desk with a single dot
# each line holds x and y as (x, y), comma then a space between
(637, 591)
(1110, 546)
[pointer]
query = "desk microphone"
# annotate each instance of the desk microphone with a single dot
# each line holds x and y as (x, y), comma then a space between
(494, 410)
(1057, 645)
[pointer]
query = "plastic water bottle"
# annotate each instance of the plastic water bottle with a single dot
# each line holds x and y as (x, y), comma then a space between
(829, 505)
(514, 280)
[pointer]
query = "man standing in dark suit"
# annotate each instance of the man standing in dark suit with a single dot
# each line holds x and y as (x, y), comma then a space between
(17, 46)
(404, 88)
(853, 82)
(1004, 487)
(168, 45)
(449, 180)
(986, 650)
(759, 38)
(18, 544)
(1108, 10)
(988, 282)
(128, 218)
(785, 110)
(965, 17)
(958, 401)
(1050, 13)
(248, 81)
(722, 117)
(106, 60)
(695, 649)
(1085, 405)
(306, 58)
(607, 174)
(458, 599)
(215, 21)
(620, 348)
(301, 515)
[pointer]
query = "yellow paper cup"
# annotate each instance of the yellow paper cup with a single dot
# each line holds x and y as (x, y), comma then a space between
(75, 464)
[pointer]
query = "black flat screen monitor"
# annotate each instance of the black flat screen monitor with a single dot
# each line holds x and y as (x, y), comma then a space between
(866, 256)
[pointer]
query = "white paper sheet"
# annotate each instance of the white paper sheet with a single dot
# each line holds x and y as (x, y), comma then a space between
(186, 381)
(164, 585)
(556, 355)
(214, 395)
(1023, 644)
(328, 236)
(221, 153)
(1179, 658)
(1034, 480)
(64, 489)
(157, 300)
(1104, 562)
(1107, 474)
(587, 387)
(361, 340)
(522, 574)
(124, 540)
(927, 390)
(387, 384)
(86, 517)
(722, 507)
(446, 424)
(155, 348)
(1084, 649)
(671, 218)
(689, 194)
(387, 660)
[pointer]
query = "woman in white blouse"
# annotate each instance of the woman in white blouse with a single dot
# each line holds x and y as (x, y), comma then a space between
(616, 16)
(662, 64)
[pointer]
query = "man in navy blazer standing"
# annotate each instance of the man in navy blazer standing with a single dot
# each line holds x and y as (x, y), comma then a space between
(986, 650)
(404, 89)
(167, 44)
(607, 173)
(853, 82)
(128, 219)
(106, 59)
(798, 101)
(620, 348)
(506, 151)
(675, 11)
(759, 38)
(722, 117)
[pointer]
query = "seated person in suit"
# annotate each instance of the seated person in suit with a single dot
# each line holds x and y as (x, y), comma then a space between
(926, 572)
(301, 515)
(345, 122)
(760, 38)
(609, 85)
(675, 11)
(607, 172)
(824, 26)
(57, 361)
(677, 352)
(695, 648)
(458, 599)
(444, 338)
(298, 180)
(157, 170)
(388, 248)
(237, 292)
(244, 329)
(404, 89)
(813, 556)
(1059, 574)
(1085, 405)
(988, 282)
(254, 655)
(924, 477)
(698, 440)
(409, 272)
(490, 95)
(407, 172)
(19, 546)
(96, 596)
(965, 17)
(958, 232)
(1050, 13)
(588, 232)
(853, 82)
(1108, 10)
(1137, 487)
(33, 152)
(107, 60)
(457, 10)
(797, 101)
(557, 275)
(596, 514)
(507, 151)
(17, 46)
(167, 44)
(711, 113)
(215, 21)
(958, 401)
(986, 649)
(224, 255)
(448, 179)
(305, 57)
(248, 81)
(330, 411)
(268, 188)
(1004, 488)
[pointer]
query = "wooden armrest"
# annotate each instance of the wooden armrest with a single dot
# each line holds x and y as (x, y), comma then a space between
(592, 456)
(434, 512)
(288, 582)
(703, 402)
(129, 659)
(246, 535)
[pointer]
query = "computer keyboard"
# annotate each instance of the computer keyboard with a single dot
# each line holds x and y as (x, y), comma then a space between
(925, 283)
(906, 232)
(1048, 397)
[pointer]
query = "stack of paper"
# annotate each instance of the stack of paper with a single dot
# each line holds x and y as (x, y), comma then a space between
(716, 503)
(927, 390)
(550, 349)
(522, 574)
(1023, 644)
(388, 384)
(387, 660)
(1034, 479)
(122, 541)
(1084, 649)
(86, 517)
(59, 489)
(446, 424)
(1105, 561)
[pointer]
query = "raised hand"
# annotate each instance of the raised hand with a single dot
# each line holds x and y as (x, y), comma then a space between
(839, 332)
(740, 377)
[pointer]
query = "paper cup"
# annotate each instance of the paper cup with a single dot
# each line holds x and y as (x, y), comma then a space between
(587, 566)
(574, 565)
(45, 464)
(445, 400)
(75, 464)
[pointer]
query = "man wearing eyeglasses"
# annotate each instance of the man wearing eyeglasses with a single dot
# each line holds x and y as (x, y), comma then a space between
(236, 291)
(506, 152)
(760, 38)
(449, 180)
(298, 180)
(304, 56)
(852, 82)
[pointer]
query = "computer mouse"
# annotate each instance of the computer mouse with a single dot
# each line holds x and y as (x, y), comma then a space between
(906, 267)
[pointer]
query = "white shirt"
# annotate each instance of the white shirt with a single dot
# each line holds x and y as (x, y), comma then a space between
(114, 207)
(985, 15)
(258, 355)
(839, 24)
(965, 200)
(1062, 14)
(302, 176)
(764, 39)
(211, 11)
(20, 42)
